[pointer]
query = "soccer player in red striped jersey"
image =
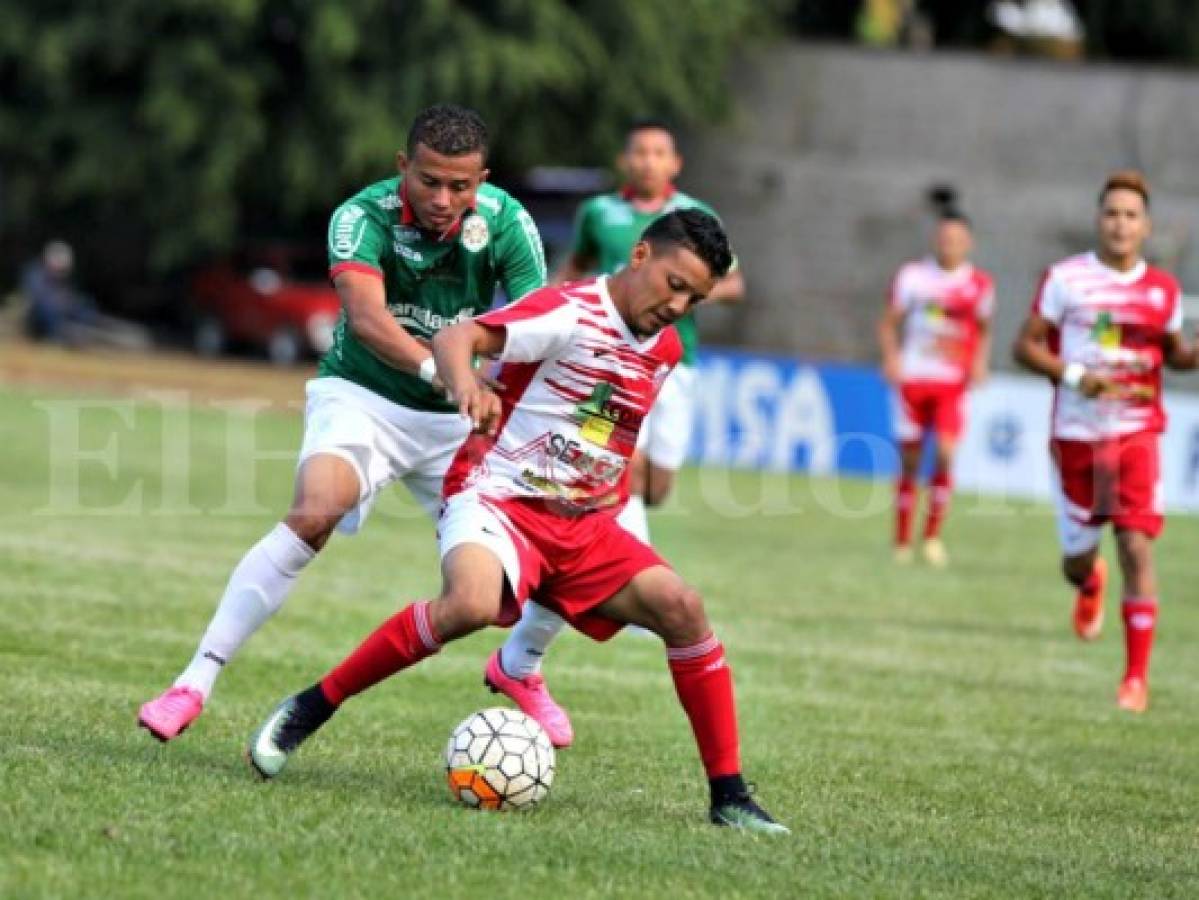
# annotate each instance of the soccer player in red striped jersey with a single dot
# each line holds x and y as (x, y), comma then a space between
(531, 498)
(1101, 327)
(934, 336)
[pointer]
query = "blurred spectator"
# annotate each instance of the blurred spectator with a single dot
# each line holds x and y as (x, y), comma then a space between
(1041, 27)
(58, 312)
(887, 23)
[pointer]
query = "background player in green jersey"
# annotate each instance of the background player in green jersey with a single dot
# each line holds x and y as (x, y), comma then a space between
(408, 255)
(607, 227)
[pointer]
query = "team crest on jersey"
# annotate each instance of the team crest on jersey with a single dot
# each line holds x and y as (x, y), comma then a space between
(475, 233)
(1105, 332)
(599, 418)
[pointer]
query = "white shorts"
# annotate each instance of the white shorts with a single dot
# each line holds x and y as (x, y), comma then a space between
(666, 432)
(467, 518)
(383, 442)
(1075, 537)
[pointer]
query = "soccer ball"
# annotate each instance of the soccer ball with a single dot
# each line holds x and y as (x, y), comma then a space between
(499, 759)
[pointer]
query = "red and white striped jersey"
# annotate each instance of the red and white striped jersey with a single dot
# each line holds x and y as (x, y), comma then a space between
(1115, 324)
(577, 385)
(942, 311)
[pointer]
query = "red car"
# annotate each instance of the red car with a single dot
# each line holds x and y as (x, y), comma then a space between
(275, 298)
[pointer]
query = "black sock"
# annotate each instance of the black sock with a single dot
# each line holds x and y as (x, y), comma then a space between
(727, 787)
(314, 703)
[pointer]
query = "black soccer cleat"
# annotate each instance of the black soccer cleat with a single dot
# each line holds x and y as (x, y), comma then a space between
(292, 722)
(737, 809)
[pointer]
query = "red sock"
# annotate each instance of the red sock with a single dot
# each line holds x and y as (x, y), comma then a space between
(905, 502)
(941, 489)
(704, 683)
(402, 641)
(1140, 617)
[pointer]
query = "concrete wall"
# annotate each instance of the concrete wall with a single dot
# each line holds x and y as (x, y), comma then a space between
(822, 176)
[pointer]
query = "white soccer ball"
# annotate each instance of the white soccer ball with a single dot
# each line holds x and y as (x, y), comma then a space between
(499, 759)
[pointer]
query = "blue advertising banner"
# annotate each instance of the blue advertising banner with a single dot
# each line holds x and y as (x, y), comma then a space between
(765, 412)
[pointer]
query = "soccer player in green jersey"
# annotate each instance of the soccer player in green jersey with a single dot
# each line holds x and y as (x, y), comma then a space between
(607, 227)
(408, 256)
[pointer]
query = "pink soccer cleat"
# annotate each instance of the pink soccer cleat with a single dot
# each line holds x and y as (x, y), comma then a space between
(168, 715)
(530, 694)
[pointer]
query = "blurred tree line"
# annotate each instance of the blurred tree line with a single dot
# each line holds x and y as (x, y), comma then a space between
(175, 127)
(155, 133)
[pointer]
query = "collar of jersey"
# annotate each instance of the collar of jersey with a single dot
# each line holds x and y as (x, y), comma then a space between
(622, 326)
(407, 218)
(1132, 276)
(964, 270)
(628, 196)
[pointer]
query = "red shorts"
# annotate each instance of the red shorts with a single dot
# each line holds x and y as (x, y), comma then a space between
(568, 564)
(927, 406)
(1116, 480)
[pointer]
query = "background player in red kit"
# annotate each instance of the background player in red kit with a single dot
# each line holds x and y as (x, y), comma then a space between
(530, 499)
(1101, 327)
(934, 336)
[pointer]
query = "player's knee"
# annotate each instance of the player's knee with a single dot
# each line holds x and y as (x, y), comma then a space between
(312, 527)
(658, 485)
(460, 612)
(680, 612)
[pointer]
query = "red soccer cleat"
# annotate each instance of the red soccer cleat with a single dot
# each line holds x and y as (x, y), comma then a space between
(1133, 695)
(531, 695)
(1088, 605)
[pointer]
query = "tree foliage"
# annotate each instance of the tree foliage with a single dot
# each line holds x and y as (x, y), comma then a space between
(181, 124)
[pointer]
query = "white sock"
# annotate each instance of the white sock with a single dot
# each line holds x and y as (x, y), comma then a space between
(256, 590)
(633, 518)
(526, 645)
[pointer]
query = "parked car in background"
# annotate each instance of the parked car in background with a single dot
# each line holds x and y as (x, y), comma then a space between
(273, 297)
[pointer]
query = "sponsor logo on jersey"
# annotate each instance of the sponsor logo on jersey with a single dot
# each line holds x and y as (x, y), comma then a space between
(347, 230)
(475, 233)
(418, 318)
(406, 234)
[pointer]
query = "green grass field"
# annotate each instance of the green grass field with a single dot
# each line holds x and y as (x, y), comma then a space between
(924, 734)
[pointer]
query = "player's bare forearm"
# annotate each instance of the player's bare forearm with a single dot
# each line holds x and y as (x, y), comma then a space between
(365, 302)
(1031, 349)
(888, 343)
(454, 350)
(573, 269)
(982, 356)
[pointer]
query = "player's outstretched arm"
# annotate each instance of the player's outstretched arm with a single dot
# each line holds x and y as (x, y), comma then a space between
(454, 350)
(982, 354)
(365, 302)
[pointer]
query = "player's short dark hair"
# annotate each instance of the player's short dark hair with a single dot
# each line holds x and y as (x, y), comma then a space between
(1126, 180)
(449, 130)
(650, 124)
(954, 214)
(694, 230)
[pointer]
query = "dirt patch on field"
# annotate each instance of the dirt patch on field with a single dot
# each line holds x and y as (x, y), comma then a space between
(29, 365)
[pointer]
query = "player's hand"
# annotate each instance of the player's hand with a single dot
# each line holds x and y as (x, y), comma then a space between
(488, 382)
(1092, 386)
(481, 405)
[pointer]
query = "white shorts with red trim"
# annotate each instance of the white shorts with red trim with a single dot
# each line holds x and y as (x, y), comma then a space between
(382, 441)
